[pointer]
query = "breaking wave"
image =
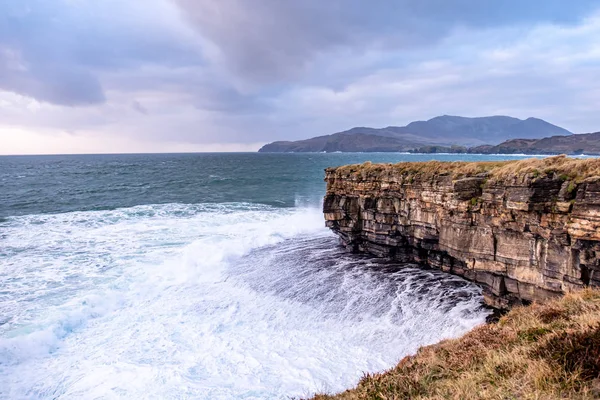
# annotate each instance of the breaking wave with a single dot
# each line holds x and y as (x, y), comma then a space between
(214, 301)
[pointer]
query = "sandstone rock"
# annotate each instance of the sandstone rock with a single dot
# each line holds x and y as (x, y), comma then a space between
(523, 238)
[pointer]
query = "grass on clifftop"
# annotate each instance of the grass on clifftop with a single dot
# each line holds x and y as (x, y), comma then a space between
(566, 168)
(542, 351)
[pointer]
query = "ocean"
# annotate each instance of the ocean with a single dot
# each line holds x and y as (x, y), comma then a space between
(200, 276)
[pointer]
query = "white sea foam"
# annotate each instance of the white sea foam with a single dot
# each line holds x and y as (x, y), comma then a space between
(205, 301)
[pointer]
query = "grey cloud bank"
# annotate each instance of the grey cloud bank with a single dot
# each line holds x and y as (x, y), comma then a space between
(230, 75)
(272, 40)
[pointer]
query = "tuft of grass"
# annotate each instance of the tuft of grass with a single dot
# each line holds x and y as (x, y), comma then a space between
(541, 351)
(557, 167)
(533, 334)
(574, 351)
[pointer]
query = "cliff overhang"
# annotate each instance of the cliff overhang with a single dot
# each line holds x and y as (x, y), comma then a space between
(526, 230)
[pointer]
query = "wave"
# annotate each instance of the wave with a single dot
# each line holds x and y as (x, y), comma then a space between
(44, 338)
(218, 234)
(234, 300)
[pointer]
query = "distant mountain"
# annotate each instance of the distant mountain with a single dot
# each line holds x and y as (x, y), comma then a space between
(340, 142)
(446, 130)
(587, 143)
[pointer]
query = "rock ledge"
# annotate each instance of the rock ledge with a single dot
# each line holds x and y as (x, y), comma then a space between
(524, 230)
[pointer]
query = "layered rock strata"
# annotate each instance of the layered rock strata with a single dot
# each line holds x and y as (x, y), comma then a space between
(524, 231)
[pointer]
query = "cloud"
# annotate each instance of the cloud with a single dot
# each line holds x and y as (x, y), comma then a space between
(548, 73)
(233, 74)
(57, 50)
(137, 106)
(18, 141)
(274, 40)
(51, 82)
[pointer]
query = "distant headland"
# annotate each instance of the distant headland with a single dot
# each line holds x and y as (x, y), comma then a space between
(451, 134)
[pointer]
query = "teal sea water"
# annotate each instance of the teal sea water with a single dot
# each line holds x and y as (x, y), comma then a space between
(205, 276)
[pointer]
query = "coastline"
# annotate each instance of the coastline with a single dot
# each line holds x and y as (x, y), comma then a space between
(549, 351)
(534, 345)
(523, 230)
(592, 155)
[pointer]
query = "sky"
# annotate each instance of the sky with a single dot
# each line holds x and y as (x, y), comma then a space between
(113, 76)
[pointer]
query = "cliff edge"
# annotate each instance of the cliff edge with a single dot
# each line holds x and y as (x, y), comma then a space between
(544, 351)
(523, 230)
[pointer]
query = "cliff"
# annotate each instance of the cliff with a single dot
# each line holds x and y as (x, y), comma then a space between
(523, 230)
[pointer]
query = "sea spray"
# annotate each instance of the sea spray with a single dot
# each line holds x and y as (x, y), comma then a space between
(226, 301)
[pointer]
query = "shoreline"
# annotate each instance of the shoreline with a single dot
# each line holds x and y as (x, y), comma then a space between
(526, 231)
(549, 351)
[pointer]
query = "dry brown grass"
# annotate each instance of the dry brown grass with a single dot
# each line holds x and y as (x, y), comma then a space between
(558, 166)
(542, 351)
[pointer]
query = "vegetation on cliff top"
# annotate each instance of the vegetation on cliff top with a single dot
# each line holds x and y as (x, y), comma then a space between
(565, 168)
(542, 351)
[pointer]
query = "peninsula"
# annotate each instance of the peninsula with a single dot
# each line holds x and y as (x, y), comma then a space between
(445, 133)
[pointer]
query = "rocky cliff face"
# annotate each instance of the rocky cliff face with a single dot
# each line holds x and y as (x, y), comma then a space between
(524, 231)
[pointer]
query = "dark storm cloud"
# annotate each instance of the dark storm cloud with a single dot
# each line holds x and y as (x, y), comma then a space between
(274, 40)
(53, 50)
